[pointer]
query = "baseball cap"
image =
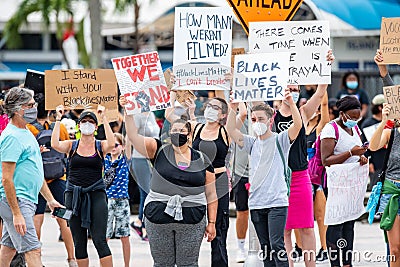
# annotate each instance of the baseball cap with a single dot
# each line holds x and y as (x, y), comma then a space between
(87, 114)
(378, 100)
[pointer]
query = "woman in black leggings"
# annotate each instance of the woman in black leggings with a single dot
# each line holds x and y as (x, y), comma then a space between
(85, 194)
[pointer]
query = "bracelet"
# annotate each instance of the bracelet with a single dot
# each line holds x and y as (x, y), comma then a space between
(351, 154)
(211, 222)
(58, 120)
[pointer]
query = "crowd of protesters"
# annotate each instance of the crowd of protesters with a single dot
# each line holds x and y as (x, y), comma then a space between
(187, 179)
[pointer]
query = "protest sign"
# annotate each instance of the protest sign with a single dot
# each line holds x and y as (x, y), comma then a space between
(392, 96)
(82, 89)
(390, 40)
(307, 41)
(202, 47)
(141, 81)
(260, 77)
(347, 185)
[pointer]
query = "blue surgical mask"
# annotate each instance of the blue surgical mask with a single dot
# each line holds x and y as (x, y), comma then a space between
(295, 96)
(349, 123)
(352, 85)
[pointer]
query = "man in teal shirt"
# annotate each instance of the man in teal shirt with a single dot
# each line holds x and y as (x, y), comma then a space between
(22, 179)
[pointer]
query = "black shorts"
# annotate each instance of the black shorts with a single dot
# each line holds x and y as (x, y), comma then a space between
(241, 193)
(57, 189)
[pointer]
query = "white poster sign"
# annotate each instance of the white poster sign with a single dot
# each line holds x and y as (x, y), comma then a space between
(141, 81)
(347, 184)
(307, 41)
(202, 47)
(260, 77)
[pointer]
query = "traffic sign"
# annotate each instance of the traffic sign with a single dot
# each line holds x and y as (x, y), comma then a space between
(263, 10)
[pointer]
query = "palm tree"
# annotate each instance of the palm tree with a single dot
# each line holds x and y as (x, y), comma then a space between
(46, 8)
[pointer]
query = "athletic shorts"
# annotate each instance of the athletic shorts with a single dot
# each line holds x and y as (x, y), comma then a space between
(57, 189)
(241, 193)
(10, 237)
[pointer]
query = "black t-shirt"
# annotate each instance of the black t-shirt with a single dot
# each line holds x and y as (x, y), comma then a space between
(359, 93)
(169, 179)
(376, 156)
(298, 150)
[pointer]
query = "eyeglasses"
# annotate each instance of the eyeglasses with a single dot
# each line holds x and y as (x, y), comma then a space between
(183, 131)
(91, 121)
(350, 118)
(117, 145)
(215, 107)
(31, 105)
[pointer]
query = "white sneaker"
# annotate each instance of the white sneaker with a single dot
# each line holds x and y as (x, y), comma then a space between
(241, 256)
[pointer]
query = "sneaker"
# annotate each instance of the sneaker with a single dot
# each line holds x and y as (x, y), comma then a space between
(297, 253)
(241, 256)
(138, 229)
(322, 256)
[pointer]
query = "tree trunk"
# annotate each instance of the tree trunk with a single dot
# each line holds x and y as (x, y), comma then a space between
(96, 58)
(136, 25)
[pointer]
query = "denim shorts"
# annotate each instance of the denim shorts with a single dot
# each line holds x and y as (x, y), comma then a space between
(11, 238)
(384, 200)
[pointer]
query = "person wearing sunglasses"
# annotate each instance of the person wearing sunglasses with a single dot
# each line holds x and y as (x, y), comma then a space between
(85, 194)
(212, 139)
(181, 207)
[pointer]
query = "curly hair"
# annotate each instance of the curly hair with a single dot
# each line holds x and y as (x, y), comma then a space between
(15, 98)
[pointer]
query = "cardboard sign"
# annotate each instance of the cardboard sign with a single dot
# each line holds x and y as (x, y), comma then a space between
(260, 77)
(307, 41)
(202, 47)
(347, 185)
(82, 89)
(141, 81)
(392, 96)
(183, 95)
(236, 51)
(390, 40)
(271, 10)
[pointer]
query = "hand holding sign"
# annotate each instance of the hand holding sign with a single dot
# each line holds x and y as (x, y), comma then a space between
(101, 111)
(288, 97)
(59, 112)
(385, 112)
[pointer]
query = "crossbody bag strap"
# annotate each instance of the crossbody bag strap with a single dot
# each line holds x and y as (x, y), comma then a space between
(385, 161)
(281, 154)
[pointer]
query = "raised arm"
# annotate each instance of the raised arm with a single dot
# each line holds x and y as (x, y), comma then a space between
(295, 128)
(231, 128)
(170, 112)
(146, 146)
(381, 136)
(324, 110)
(60, 146)
(241, 116)
(109, 143)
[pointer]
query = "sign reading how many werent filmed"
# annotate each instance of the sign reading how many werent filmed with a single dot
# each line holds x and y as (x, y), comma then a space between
(202, 47)
(307, 41)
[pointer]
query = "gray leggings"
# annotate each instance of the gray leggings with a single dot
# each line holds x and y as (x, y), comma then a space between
(175, 243)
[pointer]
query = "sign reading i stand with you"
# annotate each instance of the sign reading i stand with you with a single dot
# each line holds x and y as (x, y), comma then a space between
(307, 41)
(141, 81)
(260, 77)
(202, 47)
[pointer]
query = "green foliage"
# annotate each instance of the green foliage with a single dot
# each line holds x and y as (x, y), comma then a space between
(80, 39)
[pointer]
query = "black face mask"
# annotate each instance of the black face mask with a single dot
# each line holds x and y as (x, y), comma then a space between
(178, 139)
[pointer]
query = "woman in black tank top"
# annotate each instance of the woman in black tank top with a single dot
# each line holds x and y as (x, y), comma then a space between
(211, 138)
(85, 194)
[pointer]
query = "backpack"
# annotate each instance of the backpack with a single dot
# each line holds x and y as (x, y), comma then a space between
(53, 161)
(316, 169)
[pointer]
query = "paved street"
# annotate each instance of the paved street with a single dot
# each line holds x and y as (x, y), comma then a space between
(369, 242)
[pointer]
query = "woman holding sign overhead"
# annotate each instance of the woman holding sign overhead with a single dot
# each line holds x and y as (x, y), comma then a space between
(341, 144)
(212, 139)
(86, 195)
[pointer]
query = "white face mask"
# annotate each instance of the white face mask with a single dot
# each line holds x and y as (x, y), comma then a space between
(259, 128)
(211, 114)
(87, 128)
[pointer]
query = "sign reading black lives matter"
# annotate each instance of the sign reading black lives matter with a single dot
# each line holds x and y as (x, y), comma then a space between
(202, 47)
(260, 77)
(392, 96)
(307, 41)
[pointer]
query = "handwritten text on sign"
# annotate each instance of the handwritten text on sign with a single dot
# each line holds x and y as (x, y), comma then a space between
(347, 185)
(260, 77)
(390, 40)
(392, 96)
(141, 81)
(307, 41)
(81, 89)
(203, 38)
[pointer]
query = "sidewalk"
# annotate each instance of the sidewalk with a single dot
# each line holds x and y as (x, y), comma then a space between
(368, 240)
